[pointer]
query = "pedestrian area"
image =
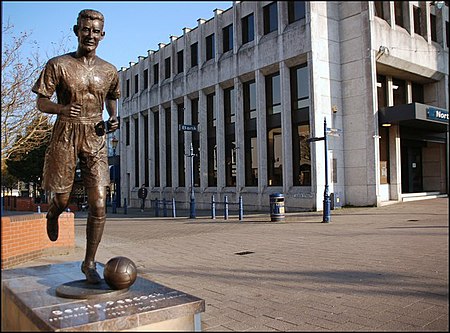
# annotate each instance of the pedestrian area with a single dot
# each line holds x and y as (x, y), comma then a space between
(369, 269)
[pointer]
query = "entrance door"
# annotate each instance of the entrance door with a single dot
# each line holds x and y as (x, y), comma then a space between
(411, 169)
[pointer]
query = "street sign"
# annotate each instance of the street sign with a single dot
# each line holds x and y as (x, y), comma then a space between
(184, 127)
(334, 131)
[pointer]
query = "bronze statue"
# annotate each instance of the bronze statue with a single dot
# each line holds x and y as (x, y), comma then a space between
(83, 84)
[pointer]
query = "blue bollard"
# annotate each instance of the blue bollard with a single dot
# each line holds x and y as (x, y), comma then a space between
(241, 209)
(125, 206)
(213, 208)
(225, 215)
(164, 207)
(156, 207)
(174, 213)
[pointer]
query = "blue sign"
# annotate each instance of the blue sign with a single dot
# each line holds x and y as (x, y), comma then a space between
(191, 128)
(437, 114)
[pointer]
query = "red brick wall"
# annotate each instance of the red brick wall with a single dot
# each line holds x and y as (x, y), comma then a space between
(24, 237)
(27, 205)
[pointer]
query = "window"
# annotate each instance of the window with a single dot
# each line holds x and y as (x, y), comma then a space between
(379, 11)
(417, 93)
(273, 94)
(168, 148)
(145, 79)
(167, 69)
(274, 132)
(128, 88)
(381, 91)
(155, 73)
(398, 8)
(180, 62)
(212, 144)
(136, 153)
(196, 142)
(384, 154)
(270, 18)
(127, 132)
(433, 24)
(230, 141)
(194, 54)
(227, 34)
(296, 11)
(181, 157)
(248, 30)
(146, 153)
(210, 49)
(136, 83)
(156, 143)
(301, 154)
(399, 91)
(417, 19)
(250, 134)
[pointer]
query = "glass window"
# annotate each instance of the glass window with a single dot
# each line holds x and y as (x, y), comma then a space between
(301, 153)
(180, 62)
(273, 94)
(417, 19)
(212, 143)
(136, 83)
(296, 10)
(156, 143)
(181, 148)
(167, 68)
(398, 8)
(379, 9)
(248, 30)
(227, 38)
(381, 91)
(136, 153)
(274, 132)
(399, 91)
(128, 87)
(127, 132)
(210, 48)
(230, 141)
(155, 73)
(168, 148)
(417, 93)
(270, 18)
(146, 153)
(145, 79)
(194, 54)
(433, 25)
(250, 134)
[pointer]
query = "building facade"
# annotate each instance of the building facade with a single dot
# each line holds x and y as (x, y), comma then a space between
(247, 88)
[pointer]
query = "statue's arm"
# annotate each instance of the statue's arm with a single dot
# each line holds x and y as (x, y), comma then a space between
(44, 104)
(111, 108)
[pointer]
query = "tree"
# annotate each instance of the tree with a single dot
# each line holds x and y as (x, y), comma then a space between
(19, 110)
(22, 123)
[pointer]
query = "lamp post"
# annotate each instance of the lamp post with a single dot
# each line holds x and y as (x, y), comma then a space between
(326, 193)
(114, 143)
(192, 203)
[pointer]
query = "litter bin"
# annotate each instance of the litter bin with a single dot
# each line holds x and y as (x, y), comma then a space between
(276, 207)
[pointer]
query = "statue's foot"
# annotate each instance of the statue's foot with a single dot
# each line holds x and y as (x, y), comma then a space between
(52, 228)
(90, 271)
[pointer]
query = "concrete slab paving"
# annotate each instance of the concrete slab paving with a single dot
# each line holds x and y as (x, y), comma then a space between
(369, 269)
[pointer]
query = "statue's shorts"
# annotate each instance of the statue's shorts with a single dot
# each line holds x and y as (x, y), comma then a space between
(75, 140)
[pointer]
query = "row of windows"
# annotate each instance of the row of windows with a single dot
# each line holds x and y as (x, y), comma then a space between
(419, 19)
(301, 167)
(296, 11)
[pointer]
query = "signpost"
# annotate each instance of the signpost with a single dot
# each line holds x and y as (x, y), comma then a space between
(190, 128)
(326, 194)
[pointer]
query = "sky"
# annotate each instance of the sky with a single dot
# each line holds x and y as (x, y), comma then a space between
(132, 27)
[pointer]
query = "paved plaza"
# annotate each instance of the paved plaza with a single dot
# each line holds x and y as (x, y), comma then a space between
(369, 269)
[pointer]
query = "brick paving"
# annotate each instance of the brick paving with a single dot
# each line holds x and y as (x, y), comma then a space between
(369, 269)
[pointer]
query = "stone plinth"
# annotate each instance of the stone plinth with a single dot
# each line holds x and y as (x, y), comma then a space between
(29, 303)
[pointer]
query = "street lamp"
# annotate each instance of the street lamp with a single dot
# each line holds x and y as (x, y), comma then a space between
(114, 143)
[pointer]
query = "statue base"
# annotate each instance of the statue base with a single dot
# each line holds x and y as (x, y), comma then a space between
(56, 298)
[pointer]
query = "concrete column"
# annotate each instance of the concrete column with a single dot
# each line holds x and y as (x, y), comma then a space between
(395, 163)
(203, 158)
(220, 137)
(240, 135)
(286, 128)
(162, 146)
(132, 151)
(151, 147)
(261, 130)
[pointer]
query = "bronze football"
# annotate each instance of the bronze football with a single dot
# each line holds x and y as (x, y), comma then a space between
(120, 273)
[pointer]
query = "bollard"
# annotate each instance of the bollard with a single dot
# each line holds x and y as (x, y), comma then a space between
(125, 206)
(164, 207)
(213, 208)
(114, 207)
(174, 214)
(241, 208)
(225, 215)
(38, 209)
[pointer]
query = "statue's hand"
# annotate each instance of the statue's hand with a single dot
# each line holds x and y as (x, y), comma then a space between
(113, 124)
(71, 110)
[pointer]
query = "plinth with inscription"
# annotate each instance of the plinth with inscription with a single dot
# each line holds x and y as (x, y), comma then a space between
(30, 303)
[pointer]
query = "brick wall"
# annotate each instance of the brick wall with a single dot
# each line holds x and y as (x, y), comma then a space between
(24, 238)
(28, 205)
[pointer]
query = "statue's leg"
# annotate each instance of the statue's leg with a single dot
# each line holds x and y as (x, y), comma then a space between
(57, 206)
(94, 231)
